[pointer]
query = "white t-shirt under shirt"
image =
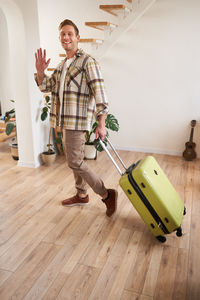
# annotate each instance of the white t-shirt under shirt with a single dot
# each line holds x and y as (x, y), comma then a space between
(62, 82)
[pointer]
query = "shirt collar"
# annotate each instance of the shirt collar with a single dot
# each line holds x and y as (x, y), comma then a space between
(78, 53)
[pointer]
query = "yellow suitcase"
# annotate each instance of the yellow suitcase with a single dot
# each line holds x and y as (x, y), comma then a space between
(152, 195)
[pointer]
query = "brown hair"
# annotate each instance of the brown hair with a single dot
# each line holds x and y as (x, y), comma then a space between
(68, 22)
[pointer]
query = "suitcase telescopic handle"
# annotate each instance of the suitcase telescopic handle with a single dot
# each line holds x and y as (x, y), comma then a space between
(110, 156)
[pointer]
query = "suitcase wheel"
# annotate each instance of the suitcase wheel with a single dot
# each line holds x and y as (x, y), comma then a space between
(161, 238)
(179, 231)
(184, 212)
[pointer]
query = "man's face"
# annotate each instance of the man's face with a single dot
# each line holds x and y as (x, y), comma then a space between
(68, 38)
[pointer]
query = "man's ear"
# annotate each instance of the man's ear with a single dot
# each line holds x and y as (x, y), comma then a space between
(78, 37)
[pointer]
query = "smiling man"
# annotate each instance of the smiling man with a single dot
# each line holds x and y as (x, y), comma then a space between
(78, 94)
(69, 37)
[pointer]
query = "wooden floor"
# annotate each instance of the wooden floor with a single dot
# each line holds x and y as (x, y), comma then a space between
(52, 252)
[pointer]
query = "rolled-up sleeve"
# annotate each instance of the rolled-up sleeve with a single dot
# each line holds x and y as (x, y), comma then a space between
(47, 84)
(96, 84)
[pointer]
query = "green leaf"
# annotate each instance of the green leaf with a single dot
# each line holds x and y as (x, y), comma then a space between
(12, 111)
(94, 127)
(111, 122)
(59, 134)
(10, 114)
(87, 136)
(58, 141)
(9, 128)
(98, 146)
(44, 115)
(47, 98)
(7, 119)
(45, 109)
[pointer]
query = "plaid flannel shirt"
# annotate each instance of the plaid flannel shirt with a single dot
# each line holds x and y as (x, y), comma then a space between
(84, 93)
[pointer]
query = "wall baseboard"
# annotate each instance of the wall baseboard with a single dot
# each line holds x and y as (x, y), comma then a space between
(150, 150)
(28, 164)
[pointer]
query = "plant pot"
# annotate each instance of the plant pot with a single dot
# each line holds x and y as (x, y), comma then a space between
(48, 157)
(14, 151)
(90, 152)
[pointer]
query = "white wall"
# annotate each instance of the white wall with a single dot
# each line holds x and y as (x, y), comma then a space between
(29, 10)
(152, 72)
(153, 78)
(23, 38)
(6, 87)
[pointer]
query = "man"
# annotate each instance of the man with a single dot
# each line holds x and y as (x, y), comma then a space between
(77, 90)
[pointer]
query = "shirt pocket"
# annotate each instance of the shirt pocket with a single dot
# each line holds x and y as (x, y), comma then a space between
(77, 79)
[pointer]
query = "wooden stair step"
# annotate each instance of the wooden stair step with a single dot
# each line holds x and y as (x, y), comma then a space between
(100, 25)
(114, 9)
(95, 41)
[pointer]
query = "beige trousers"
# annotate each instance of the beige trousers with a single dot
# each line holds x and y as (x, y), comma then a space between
(73, 145)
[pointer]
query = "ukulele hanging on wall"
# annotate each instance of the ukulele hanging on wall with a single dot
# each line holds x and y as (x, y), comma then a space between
(189, 153)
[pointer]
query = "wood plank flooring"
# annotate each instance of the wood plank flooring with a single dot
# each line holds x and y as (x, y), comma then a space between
(52, 252)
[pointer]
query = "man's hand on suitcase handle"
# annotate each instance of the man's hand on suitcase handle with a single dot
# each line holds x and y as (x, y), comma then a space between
(100, 133)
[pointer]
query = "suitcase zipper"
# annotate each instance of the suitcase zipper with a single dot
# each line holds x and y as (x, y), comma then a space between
(147, 204)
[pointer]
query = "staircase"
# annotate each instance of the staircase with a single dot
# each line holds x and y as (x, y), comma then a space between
(125, 15)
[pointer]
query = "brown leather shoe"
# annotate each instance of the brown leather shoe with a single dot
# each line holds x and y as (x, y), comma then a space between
(111, 202)
(76, 200)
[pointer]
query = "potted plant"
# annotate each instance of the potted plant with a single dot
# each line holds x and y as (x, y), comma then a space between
(11, 131)
(90, 150)
(91, 144)
(48, 156)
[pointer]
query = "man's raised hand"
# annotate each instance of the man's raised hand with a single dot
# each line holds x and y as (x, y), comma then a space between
(41, 64)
